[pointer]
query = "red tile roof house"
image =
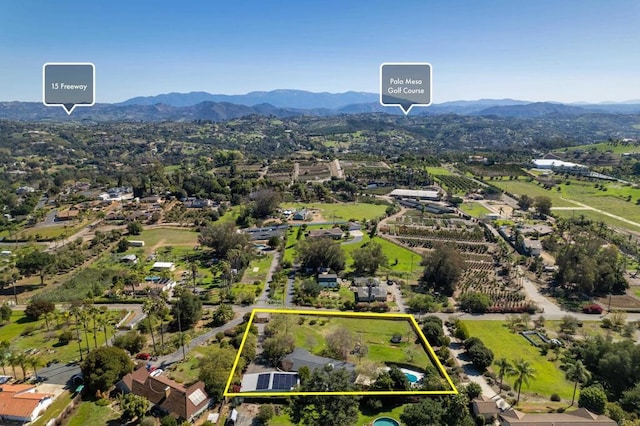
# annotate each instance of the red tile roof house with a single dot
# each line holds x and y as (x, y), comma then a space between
(184, 403)
(21, 403)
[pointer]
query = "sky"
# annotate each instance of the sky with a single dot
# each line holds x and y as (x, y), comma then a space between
(537, 50)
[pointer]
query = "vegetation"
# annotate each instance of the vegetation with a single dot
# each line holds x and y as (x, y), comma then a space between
(103, 367)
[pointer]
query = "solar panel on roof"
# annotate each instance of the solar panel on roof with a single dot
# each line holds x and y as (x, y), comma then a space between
(197, 397)
(284, 381)
(263, 381)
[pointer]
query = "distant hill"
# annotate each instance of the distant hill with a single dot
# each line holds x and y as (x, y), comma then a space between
(536, 109)
(282, 98)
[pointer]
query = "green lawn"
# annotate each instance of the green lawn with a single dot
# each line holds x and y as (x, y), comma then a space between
(363, 419)
(343, 211)
(375, 333)
(88, 413)
(438, 171)
(603, 147)
(402, 262)
(257, 269)
(474, 209)
(154, 238)
(595, 216)
(549, 378)
(522, 186)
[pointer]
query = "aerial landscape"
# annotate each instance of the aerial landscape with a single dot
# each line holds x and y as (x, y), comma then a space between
(232, 228)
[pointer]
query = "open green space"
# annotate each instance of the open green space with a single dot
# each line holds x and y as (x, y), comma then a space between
(595, 216)
(258, 269)
(157, 237)
(89, 413)
(363, 418)
(497, 337)
(474, 209)
(604, 147)
(342, 212)
(438, 171)
(375, 333)
(532, 189)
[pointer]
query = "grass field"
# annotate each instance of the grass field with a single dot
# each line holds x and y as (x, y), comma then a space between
(474, 209)
(343, 212)
(549, 378)
(375, 333)
(154, 238)
(521, 186)
(438, 171)
(597, 217)
(402, 261)
(89, 413)
(262, 265)
(603, 147)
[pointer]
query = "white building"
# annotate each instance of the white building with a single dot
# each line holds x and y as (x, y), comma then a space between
(163, 266)
(415, 194)
(550, 164)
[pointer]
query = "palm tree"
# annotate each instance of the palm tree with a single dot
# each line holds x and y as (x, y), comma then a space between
(523, 371)
(94, 313)
(578, 373)
(504, 368)
(12, 359)
(21, 360)
(75, 311)
(183, 339)
(4, 355)
(149, 309)
(103, 323)
(84, 319)
(34, 362)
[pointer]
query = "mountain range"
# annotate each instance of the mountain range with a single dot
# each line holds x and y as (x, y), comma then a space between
(288, 103)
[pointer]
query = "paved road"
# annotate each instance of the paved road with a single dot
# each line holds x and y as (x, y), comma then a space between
(357, 238)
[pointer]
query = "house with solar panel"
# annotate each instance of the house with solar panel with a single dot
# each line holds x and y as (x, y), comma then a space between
(185, 403)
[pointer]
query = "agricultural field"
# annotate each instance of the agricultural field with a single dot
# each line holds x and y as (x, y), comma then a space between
(616, 148)
(523, 186)
(439, 171)
(504, 343)
(162, 237)
(457, 184)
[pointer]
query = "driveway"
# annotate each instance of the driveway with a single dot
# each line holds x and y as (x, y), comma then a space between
(357, 237)
(59, 373)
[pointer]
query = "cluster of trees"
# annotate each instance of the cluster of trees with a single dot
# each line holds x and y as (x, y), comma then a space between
(18, 358)
(104, 367)
(587, 266)
(368, 258)
(448, 410)
(521, 369)
(279, 340)
(442, 269)
(315, 253)
(480, 355)
(542, 204)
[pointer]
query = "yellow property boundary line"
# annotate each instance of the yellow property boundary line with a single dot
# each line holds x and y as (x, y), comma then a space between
(407, 317)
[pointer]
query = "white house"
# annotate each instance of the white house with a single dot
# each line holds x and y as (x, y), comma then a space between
(163, 266)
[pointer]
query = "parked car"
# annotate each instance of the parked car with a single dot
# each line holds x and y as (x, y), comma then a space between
(143, 355)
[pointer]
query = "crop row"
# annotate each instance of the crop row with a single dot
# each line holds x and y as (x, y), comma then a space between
(430, 243)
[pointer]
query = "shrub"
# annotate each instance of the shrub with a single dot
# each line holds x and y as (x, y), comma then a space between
(555, 397)
(461, 331)
(28, 330)
(65, 337)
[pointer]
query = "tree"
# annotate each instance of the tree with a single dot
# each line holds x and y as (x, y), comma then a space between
(103, 367)
(187, 310)
(5, 312)
(474, 302)
(222, 315)
(222, 237)
(148, 308)
(481, 356)
(542, 204)
(630, 400)
(368, 258)
(442, 269)
(593, 398)
(214, 370)
(37, 308)
(265, 413)
(265, 202)
(134, 228)
(132, 341)
(36, 262)
(525, 202)
(123, 245)
(133, 406)
(504, 368)
(429, 411)
(577, 373)
(315, 253)
(310, 287)
(421, 303)
(277, 347)
(340, 342)
(523, 372)
(433, 331)
(326, 410)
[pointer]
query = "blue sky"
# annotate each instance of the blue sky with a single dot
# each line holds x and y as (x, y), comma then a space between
(536, 50)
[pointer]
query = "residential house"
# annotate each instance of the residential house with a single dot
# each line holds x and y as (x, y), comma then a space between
(271, 381)
(302, 214)
(21, 403)
(163, 266)
(532, 247)
(130, 259)
(370, 294)
(353, 226)
(197, 203)
(579, 417)
(328, 280)
(301, 357)
(65, 215)
(485, 407)
(170, 397)
(366, 281)
(335, 233)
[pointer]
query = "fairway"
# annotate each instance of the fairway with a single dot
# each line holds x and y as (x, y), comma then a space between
(549, 378)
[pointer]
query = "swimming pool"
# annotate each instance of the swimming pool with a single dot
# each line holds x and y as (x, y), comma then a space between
(385, 421)
(412, 377)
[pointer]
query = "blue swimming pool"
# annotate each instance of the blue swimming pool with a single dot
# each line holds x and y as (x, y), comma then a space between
(385, 421)
(412, 377)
